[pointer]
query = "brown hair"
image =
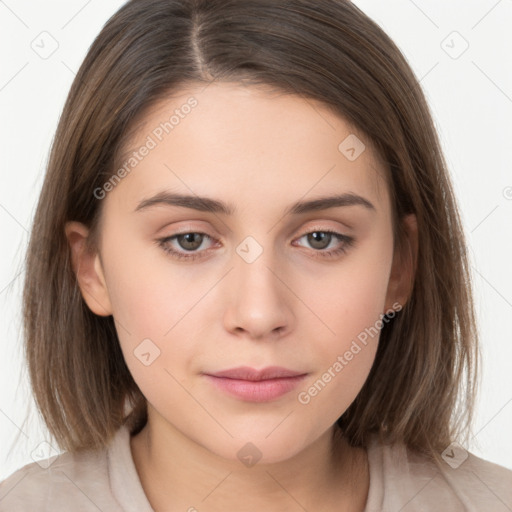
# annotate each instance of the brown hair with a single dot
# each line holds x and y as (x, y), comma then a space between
(421, 388)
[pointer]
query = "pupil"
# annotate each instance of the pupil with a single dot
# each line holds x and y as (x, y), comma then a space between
(189, 240)
(317, 237)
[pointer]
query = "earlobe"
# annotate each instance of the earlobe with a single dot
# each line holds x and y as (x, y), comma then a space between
(404, 265)
(88, 269)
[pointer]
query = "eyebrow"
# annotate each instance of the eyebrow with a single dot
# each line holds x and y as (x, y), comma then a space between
(206, 204)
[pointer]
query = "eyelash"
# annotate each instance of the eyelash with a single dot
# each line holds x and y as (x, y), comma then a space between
(348, 241)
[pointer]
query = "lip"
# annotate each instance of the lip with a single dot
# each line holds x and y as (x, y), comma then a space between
(248, 373)
(253, 385)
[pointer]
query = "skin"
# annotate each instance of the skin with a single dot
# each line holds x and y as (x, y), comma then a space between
(292, 307)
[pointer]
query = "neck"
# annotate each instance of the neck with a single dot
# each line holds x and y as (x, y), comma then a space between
(179, 474)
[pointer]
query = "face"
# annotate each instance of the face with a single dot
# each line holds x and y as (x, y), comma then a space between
(197, 289)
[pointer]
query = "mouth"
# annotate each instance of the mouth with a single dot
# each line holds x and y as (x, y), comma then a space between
(251, 385)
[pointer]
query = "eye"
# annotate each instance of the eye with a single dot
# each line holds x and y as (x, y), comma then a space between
(322, 238)
(189, 243)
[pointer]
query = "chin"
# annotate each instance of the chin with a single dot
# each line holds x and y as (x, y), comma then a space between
(257, 447)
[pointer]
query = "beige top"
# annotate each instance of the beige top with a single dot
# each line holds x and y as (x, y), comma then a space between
(107, 481)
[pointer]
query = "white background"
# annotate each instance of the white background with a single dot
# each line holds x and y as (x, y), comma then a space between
(471, 100)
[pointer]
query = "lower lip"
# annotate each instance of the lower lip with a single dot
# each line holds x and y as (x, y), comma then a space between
(256, 391)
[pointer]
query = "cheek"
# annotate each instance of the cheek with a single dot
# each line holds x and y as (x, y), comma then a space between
(156, 338)
(351, 296)
(350, 304)
(149, 295)
(152, 303)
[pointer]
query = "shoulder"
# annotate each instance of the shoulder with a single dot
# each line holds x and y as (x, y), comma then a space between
(480, 483)
(462, 482)
(77, 481)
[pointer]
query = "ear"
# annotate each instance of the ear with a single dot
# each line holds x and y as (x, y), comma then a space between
(88, 269)
(403, 269)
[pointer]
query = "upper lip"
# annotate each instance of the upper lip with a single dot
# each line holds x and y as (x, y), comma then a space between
(248, 373)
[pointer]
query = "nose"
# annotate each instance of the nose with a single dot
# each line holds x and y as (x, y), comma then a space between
(259, 300)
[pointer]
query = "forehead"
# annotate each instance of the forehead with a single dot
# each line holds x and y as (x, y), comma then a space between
(246, 143)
